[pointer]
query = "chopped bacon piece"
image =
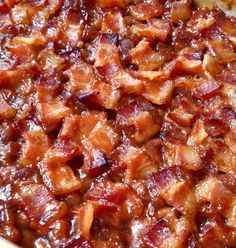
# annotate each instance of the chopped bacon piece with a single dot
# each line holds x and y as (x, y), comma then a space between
(95, 162)
(147, 10)
(215, 128)
(145, 57)
(81, 76)
(73, 29)
(109, 191)
(145, 126)
(202, 24)
(230, 140)
(113, 23)
(70, 129)
(33, 151)
(182, 155)
(180, 11)
(213, 191)
(104, 137)
(6, 111)
(198, 134)
(50, 61)
(35, 39)
(139, 165)
(158, 92)
(62, 152)
(40, 205)
(113, 3)
(155, 28)
(190, 61)
(158, 235)
(222, 52)
(59, 177)
(122, 79)
(108, 96)
(107, 51)
(52, 113)
(181, 117)
(207, 90)
(211, 66)
(84, 218)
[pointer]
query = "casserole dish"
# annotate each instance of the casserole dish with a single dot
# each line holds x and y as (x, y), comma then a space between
(117, 124)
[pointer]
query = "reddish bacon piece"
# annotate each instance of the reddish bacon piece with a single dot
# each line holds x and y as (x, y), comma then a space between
(147, 10)
(40, 205)
(180, 11)
(183, 155)
(207, 90)
(145, 57)
(113, 23)
(52, 113)
(155, 28)
(223, 53)
(33, 150)
(59, 177)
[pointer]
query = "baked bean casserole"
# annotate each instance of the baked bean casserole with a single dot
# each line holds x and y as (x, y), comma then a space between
(117, 124)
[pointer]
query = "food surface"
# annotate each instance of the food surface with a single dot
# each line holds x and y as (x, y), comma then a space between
(117, 124)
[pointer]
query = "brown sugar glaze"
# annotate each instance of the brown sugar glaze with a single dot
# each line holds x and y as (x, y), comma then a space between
(117, 124)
